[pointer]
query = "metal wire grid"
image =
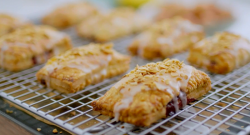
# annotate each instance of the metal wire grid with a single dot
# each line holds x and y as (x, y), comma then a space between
(224, 110)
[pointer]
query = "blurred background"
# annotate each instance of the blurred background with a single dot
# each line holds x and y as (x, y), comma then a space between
(34, 9)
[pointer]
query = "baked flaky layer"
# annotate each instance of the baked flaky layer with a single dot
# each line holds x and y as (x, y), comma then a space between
(31, 45)
(70, 14)
(115, 24)
(166, 38)
(221, 53)
(9, 23)
(142, 96)
(82, 66)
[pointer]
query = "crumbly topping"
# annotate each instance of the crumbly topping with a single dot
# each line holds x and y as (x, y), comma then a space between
(9, 23)
(115, 23)
(73, 6)
(29, 35)
(150, 72)
(204, 14)
(33, 39)
(88, 50)
(167, 66)
(223, 41)
(169, 26)
(170, 76)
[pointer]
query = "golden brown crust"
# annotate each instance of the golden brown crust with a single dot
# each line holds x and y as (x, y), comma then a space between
(31, 45)
(70, 14)
(204, 14)
(221, 53)
(166, 38)
(117, 23)
(9, 23)
(82, 66)
(148, 105)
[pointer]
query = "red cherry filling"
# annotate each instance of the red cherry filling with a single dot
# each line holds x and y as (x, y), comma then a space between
(46, 55)
(170, 110)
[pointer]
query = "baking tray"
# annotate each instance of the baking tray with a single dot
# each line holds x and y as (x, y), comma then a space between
(224, 110)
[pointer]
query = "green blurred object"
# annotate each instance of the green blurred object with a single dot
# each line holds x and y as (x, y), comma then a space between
(132, 3)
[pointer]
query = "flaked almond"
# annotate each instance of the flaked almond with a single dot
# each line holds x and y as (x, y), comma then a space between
(186, 77)
(167, 81)
(133, 83)
(38, 129)
(178, 79)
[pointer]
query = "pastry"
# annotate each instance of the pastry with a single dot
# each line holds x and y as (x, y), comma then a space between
(221, 53)
(70, 14)
(82, 66)
(203, 14)
(9, 23)
(115, 24)
(166, 38)
(26, 47)
(154, 91)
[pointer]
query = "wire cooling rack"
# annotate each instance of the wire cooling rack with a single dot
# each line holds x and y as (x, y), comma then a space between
(224, 110)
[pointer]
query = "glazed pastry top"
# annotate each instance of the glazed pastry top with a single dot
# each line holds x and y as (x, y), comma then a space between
(34, 39)
(167, 30)
(9, 23)
(169, 76)
(85, 58)
(223, 42)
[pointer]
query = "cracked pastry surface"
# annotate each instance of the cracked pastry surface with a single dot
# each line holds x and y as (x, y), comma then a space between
(221, 53)
(114, 24)
(31, 45)
(82, 66)
(69, 14)
(166, 38)
(9, 23)
(144, 95)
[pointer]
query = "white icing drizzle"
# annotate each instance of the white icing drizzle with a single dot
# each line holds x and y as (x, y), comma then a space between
(183, 26)
(237, 45)
(87, 64)
(176, 106)
(173, 88)
(183, 98)
(55, 38)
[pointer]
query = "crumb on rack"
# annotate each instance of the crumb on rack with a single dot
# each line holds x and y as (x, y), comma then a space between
(60, 132)
(122, 127)
(55, 131)
(38, 129)
(73, 113)
(9, 111)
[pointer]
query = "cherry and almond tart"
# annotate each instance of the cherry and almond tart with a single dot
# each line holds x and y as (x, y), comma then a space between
(82, 66)
(221, 53)
(26, 47)
(9, 23)
(166, 38)
(114, 24)
(154, 91)
(69, 14)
